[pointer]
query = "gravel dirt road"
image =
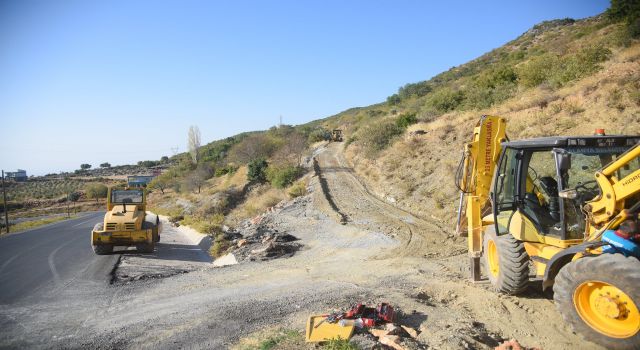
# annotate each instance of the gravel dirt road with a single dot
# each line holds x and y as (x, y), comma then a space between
(354, 248)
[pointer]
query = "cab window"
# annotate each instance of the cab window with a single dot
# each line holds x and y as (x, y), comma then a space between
(541, 203)
(505, 189)
(126, 196)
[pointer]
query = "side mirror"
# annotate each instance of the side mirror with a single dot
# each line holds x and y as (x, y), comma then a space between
(568, 194)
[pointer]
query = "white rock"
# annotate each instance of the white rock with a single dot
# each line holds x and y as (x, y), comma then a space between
(225, 260)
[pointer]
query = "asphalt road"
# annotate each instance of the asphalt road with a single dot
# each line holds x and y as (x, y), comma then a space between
(34, 262)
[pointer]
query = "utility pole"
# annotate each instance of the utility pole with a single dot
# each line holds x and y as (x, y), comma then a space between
(6, 211)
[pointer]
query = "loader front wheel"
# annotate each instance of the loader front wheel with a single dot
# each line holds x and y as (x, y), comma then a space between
(599, 298)
(506, 262)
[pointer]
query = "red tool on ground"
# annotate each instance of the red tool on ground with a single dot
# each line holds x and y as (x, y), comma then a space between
(385, 313)
(371, 316)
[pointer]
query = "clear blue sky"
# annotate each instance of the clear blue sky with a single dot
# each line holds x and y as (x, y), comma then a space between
(122, 81)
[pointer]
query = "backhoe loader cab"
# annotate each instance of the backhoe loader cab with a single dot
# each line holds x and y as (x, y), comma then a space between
(543, 184)
(126, 223)
(563, 210)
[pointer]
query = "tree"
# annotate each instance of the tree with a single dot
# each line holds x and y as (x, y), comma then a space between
(96, 191)
(393, 100)
(629, 11)
(198, 178)
(164, 160)
(319, 134)
(105, 165)
(162, 182)
(293, 149)
(72, 197)
(257, 170)
(406, 119)
(85, 166)
(252, 147)
(194, 143)
(148, 163)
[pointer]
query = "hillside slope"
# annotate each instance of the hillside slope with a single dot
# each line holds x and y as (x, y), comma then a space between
(562, 77)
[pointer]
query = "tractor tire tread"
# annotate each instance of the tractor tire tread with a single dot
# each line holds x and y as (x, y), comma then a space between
(514, 265)
(616, 269)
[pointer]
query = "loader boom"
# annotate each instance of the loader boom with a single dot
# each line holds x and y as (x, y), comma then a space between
(474, 179)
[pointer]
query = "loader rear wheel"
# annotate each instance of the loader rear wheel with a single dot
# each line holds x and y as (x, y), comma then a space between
(506, 263)
(599, 298)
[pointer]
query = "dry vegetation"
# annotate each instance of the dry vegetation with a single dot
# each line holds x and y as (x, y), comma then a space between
(415, 170)
(561, 77)
(233, 180)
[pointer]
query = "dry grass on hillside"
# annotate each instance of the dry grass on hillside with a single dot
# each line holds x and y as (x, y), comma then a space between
(417, 172)
(227, 195)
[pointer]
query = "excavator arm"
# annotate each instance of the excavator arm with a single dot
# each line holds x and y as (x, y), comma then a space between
(474, 178)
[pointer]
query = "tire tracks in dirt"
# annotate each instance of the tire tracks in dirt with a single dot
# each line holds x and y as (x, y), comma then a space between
(351, 200)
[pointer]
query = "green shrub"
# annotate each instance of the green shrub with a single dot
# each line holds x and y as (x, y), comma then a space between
(592, 55)
(320, 134)
(393, 100)
(74, 196)
(491, 78)
(282, 176)
(627, 11)
(378, 136)
(228, 169)
(491, 87)
(340, 344)
(558, 71)
(517, 55)
(220, 246)
(212, 224)
(406, 119)
(580, 65)
(416, 89)
(282, 336)
(96, 191)
(299, 188)
(256, 171)
(445, 99)
(538, 70)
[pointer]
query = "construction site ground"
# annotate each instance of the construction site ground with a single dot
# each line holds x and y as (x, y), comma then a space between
(353, 247)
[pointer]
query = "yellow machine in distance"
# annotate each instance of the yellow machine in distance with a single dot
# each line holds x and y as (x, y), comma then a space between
(126, 223)
(563, 210)
(336, 135)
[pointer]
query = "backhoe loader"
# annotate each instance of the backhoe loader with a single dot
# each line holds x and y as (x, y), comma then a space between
(126, 223)
(560, 210)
